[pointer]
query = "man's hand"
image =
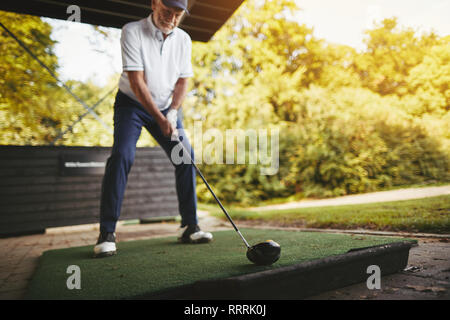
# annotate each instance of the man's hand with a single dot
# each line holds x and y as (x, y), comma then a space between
(166, 127)
(172, 116)
(179, 94)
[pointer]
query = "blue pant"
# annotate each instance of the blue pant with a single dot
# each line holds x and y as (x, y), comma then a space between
(129, 118)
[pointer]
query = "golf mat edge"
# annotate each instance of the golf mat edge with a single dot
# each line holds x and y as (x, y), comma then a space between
(298, 281)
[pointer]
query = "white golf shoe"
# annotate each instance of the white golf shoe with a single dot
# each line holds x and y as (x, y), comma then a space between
(193, 234)
(106, 245)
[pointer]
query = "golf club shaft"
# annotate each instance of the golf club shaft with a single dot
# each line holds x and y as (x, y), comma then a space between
(212, 192)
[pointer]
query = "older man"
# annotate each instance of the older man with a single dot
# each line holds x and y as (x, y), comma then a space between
(156, 57)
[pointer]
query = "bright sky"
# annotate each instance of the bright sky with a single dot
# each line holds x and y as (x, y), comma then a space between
(344, 21)
(337, 21)
(80, 57)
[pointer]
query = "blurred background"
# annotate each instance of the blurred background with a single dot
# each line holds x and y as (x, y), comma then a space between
(358, 89)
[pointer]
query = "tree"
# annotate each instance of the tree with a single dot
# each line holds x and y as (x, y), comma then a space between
(343, 124)
(392, 52)
(25, 84)
(428, 82)
(34, 108)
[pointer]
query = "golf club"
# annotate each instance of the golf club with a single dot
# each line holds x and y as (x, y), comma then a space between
(264, 253)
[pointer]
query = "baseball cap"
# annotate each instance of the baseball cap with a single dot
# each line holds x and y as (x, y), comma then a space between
(182, 4)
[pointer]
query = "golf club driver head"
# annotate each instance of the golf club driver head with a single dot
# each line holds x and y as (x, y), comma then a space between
(264, 253)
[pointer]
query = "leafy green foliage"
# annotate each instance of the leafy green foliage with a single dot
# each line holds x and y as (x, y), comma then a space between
(353, 141)
(391, 54)
(349, 122)
(25, 86)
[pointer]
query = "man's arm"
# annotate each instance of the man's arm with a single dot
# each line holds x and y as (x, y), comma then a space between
(139, 87)
(179, 93)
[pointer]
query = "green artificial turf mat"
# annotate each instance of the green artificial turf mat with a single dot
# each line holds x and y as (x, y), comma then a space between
(147, 266)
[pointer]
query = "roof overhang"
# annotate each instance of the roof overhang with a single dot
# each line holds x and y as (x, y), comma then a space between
(206, 16)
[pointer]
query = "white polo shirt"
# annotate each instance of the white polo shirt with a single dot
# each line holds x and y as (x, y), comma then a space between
(163, 61)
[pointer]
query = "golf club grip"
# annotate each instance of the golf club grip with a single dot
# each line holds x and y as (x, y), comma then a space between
(212, 192)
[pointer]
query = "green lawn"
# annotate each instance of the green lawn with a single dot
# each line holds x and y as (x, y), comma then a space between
(146, 266)
(430, 215)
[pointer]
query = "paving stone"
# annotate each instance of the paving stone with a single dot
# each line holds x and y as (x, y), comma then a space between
(12, 295)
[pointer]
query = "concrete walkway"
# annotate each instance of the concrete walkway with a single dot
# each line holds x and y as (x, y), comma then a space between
(381, 196)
